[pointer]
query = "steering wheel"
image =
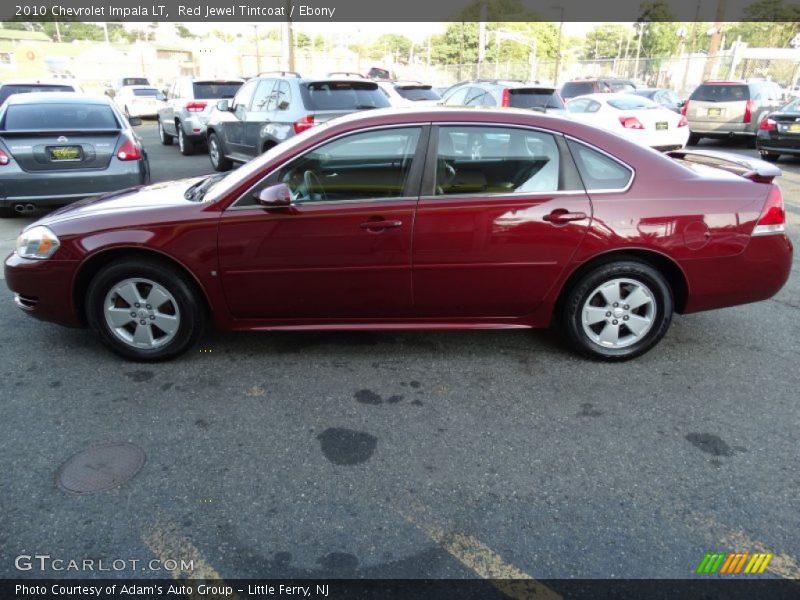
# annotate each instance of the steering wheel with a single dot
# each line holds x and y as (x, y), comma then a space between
(311, 180)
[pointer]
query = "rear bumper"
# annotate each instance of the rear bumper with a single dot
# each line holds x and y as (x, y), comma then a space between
(779, 144)
(722, 130)
(42, 288)
(194, 128)
(756, 274)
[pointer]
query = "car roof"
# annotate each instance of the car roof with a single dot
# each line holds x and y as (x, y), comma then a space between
(64, 82)
(56, 98)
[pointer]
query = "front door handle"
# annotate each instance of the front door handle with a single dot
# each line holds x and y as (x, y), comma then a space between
(380, 224)
(561, 215)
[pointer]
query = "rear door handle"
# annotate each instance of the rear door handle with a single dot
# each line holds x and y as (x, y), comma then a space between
(381, 224)
(561, 215)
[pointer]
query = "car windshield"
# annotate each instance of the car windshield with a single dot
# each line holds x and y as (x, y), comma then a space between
(9, 89)
(47, 116)
(534, 98)
(417, 92)
(215, 90)
(235, 178)
(152, 92)
(342, 95)
(721, 92)
(631, 103)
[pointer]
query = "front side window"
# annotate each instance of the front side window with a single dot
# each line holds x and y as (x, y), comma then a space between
(263, 96)
(599, 171)
(245, 94)
(491, 160)
(372, 165)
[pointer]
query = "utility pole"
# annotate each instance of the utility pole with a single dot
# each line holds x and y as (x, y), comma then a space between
(289, 37)
(258, 52)
(713, 45)
(481, 38)
(558, 55)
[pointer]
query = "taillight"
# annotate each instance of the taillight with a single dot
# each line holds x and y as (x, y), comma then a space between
(301, 125)
(767, 125)
(631, 123)
(195, 106)
(773, 217)
(748, 107)
(683, 122)
(129, 150)
(4, 158)
(685, 108)
(505, 100)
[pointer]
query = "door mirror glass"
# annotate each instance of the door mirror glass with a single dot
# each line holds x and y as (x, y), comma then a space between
(223, 105)
(273, 196)
(135, 121)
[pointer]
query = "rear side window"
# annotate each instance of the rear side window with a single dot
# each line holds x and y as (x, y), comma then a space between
(8, 90)
(59, 117)
(534, 98)
(599, 171)
(721, 93)
(151, 92)
(342, 95)
(497, 160)
(416, 93)
(576, 88)
(215, 90)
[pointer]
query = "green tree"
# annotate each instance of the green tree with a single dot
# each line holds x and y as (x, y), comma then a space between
(658, 32)
(184, 32)
(767, 24)
(605, 41)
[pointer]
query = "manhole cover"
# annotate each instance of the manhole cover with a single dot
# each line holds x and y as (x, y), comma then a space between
(100, 468)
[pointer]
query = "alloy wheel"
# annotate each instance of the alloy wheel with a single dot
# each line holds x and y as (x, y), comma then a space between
(141, 313)
(618, 313)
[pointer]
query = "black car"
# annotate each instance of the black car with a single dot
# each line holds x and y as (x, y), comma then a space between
(663, 96)
(779, 132)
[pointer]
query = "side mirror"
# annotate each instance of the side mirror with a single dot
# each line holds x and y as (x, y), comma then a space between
(135, 121)
(223, 105)
(275, 196)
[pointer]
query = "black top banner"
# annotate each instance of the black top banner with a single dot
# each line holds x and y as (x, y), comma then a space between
(340, 11)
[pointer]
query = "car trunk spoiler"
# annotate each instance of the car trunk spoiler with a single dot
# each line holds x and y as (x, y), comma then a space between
(52, 132)
(750, 168)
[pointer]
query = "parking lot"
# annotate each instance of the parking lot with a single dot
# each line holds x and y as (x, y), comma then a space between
(445, 455)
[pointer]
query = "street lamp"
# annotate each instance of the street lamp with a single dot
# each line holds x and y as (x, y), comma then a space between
(560, 29)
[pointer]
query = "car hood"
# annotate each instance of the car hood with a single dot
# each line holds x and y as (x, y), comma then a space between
(139, 198)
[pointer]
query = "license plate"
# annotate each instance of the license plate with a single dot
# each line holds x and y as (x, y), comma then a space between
(714, 112)
(662, 125)
(794, 127)
(64, 153)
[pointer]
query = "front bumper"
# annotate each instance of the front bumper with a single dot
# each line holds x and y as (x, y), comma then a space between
(43, 288)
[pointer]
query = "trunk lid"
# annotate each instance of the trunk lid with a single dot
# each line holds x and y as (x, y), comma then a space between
(61, 150)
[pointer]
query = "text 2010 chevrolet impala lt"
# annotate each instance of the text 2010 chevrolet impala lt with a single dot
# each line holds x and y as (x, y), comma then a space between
(417, 219)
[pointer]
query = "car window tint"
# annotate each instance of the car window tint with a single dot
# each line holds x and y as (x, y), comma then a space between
(721, 93)
(576, 88)
(263, 99)
(599, 171)
(151, 92)
(59, 117)
(134, 81)
(245, 94)
(534, 98)
(8, 90)
(215, 90)
(362, 166)
(343, 95)
(417, 92)
(487, 160)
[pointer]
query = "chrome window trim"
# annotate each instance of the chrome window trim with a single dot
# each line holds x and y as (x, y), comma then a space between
(235, 204)
(612, 157)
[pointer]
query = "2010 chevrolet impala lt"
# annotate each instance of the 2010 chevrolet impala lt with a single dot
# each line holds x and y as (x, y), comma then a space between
(417, 219)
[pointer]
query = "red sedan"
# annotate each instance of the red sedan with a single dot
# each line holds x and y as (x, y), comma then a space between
(417, 219)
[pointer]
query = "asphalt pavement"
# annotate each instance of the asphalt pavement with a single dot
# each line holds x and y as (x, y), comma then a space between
(447, 455)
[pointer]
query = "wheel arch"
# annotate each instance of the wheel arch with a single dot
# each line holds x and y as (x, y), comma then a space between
(93, 264)
(672, 272)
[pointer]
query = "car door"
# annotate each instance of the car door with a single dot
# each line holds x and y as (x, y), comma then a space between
(281, 110)
(342, 250)
(167, 113)
(233, 125)
(497, 223)
(258, 115)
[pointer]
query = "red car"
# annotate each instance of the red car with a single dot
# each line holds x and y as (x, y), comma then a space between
(417, 219)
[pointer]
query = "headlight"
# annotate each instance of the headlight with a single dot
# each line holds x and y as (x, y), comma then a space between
(37, 242)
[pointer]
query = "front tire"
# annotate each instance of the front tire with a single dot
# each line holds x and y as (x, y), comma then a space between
(617, 311)
(144, 310)
(215, 152)
(770, 157)
(166, 139)
(186, 145)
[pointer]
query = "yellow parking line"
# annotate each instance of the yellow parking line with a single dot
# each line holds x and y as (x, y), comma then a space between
(168, 544)
(486, 563)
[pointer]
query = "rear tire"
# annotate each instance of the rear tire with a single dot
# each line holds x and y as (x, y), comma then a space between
(186, 145)
(617, 311)
(693, 139)
(117, 302)
(215, 152)
(770, 157)
(166, 139)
